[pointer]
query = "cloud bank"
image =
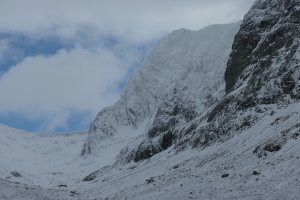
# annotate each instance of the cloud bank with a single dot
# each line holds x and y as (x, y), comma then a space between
(100, 41)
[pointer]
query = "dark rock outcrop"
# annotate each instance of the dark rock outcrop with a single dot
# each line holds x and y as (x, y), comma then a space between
(265, 47)
(16, 174)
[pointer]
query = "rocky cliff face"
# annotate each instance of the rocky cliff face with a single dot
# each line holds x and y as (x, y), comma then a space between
(262, 75)
(181, 77)
(265, 47)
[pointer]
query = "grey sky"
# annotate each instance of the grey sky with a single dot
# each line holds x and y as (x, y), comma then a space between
(133, 20)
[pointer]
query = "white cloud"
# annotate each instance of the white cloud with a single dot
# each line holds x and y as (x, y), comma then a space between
(50, 87)
(83, 79)
(132, 20)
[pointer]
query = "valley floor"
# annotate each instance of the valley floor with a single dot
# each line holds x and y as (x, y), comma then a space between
(229, 170)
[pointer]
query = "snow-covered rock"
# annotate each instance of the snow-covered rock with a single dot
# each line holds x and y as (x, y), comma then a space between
(265, 50)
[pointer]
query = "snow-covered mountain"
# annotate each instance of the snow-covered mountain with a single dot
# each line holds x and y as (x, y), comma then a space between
(246, 144)
(180, 129)
(181, 77)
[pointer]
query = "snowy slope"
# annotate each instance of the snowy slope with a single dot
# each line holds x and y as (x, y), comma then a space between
(28, 154)
(194, 174)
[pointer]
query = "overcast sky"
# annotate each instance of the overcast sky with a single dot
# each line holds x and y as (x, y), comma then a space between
(61, 61)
